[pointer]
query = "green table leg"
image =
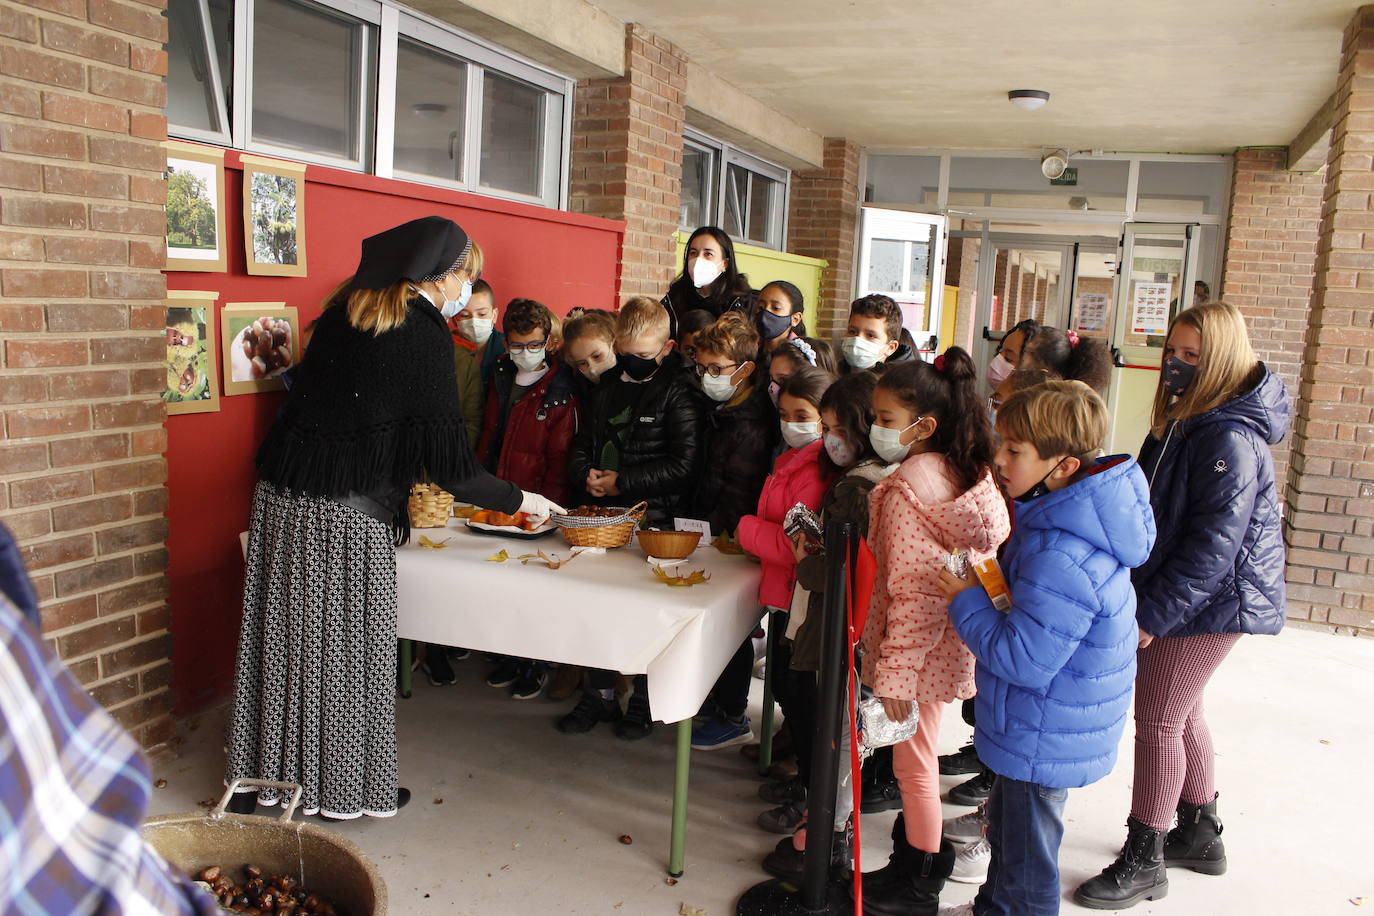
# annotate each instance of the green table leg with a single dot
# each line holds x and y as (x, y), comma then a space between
(766, 727)
(677, 851)
(407, 655)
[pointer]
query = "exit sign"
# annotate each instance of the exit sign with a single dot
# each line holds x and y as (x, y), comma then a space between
(1070, 177)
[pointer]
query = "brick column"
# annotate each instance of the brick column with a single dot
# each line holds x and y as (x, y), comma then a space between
(1331, 485)
(1012, 310)
(81, 288)
(1025, 297)
(1271, 250)
(1001, 289)
(627, 157)
(963, 273)
(822, 221)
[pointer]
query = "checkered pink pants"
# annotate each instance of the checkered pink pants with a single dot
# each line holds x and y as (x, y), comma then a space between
(1173, 746)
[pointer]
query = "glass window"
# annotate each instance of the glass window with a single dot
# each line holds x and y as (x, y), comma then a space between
(763, 193)
(309, 69)
(431, 94)
(698, 186)
(1018, 183)
(1182, 187)
(512, 135)
(885, 267)
(736, 200)
(197, 74)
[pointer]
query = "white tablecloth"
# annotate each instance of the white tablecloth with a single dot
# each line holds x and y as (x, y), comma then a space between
(606, 611)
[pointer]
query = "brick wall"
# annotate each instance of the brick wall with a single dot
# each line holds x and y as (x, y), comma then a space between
(823, 219)
(1271, 250)
(627, 157)
(1331, 486)
(962, 271)
(81, 252)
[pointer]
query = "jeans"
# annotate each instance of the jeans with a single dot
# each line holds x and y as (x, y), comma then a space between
(1025, 827)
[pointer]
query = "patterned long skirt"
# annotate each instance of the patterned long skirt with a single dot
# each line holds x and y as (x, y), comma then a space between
(314, 695)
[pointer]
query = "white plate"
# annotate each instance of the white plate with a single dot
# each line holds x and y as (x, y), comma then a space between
(512, 532)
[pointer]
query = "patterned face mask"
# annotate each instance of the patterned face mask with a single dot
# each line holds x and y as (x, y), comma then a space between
(1178, 375)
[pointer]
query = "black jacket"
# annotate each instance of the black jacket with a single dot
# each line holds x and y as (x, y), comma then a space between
(682, 298)
(1218, 560)
(737, 455)
(660, 453)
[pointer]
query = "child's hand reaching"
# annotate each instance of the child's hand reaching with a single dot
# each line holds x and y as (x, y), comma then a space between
(952, 585)
(896, 710)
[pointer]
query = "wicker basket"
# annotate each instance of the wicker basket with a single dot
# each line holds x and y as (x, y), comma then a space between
(668, 545)
(589, 531)
(429, 506)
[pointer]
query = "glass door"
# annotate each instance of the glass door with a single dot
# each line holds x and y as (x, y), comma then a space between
(1020, 278)
(902, 255)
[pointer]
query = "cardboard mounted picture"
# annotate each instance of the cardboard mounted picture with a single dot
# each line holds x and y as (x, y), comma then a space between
(191, 364)
(273, 217)
(261, 341)
(196, 237)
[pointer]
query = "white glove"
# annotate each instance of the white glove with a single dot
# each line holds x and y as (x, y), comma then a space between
(538, 508)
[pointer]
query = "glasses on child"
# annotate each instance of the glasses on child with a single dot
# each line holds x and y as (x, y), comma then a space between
(527, 347)
(715, 371)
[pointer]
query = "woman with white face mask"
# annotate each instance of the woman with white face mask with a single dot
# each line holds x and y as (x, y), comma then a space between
(709, 279)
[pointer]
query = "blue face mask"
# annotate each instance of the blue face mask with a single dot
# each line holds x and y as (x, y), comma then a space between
(452, 307)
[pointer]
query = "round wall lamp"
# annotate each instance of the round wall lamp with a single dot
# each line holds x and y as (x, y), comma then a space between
(1028, 99)
(1053, 163)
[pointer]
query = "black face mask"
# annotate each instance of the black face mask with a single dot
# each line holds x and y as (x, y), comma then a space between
(637, 367)
(1178, 375)
(771, 325)
(1041, 488)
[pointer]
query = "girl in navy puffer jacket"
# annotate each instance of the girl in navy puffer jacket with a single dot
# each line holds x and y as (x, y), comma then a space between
(1216, 573)
(1055, 670)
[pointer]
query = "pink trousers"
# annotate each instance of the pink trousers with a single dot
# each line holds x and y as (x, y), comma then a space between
(917, 768)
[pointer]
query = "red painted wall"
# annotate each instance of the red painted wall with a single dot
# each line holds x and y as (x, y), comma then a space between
(561, 259)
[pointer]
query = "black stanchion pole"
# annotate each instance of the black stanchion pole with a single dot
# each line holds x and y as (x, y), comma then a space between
(818, 894)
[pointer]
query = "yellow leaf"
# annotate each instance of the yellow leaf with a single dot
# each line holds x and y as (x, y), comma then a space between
(698, 577)
(727, 545)
(433, 545)
(500, 557)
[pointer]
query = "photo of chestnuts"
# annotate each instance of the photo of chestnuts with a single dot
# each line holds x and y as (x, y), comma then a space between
(263, 348)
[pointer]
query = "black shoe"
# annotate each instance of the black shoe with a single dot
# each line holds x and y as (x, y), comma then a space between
(913, 881)
(637, 722)
(785, 818)
(786, 861)
(880, 794)
(780, 793)
(1137, 874)
(964, 760)
(243, 803)
(589, 710)
(1196, 842)
(972, 792)
(504, 674)
(437, 668)
(530, 683)
(402, 798)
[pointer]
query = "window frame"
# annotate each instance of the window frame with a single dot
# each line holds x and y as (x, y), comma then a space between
(727, 155)
(223, 136)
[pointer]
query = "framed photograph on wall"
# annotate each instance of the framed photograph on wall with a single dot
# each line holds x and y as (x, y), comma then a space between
(260, 343)
(274, 216)
(196, 238)
(192, 374)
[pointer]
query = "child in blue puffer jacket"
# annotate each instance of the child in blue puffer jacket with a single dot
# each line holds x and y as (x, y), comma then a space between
(1055, 670)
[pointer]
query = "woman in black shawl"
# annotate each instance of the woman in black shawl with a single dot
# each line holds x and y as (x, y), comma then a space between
(372, 410)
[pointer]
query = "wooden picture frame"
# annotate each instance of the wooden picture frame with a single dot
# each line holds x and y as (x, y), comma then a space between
(240, 323)
(273, 217)
(192, 382)
(196, 226)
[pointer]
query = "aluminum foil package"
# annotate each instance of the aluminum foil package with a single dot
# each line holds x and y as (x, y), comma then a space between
(800, 519)
(957, 564)
(880, 731)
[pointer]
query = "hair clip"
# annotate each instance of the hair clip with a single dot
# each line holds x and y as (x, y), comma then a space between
(806, 349)
(1073, 338)
(940, 363)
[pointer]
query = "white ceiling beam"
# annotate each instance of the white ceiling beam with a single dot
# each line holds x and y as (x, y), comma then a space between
(1307, 151)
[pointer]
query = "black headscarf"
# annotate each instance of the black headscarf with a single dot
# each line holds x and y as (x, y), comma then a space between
(421, 250)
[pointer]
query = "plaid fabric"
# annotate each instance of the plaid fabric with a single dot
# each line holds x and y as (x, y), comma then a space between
(73, 791)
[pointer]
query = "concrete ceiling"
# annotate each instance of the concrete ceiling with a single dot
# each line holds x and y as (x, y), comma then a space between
(1198, 76)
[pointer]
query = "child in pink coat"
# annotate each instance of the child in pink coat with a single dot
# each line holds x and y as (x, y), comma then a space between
(943, 498)
(797, 478)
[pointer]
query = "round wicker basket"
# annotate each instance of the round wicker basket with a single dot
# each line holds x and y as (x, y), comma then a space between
(595, 531)
(429, 506)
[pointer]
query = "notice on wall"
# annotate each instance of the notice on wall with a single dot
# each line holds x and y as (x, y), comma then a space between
(1150, 308)
(1092, 313)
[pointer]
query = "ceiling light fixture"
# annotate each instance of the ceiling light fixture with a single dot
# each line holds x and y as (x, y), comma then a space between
(1028, 99)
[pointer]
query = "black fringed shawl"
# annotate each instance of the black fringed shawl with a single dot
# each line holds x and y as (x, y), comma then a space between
(373, 414)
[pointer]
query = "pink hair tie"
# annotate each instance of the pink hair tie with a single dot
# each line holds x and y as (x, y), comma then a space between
(940, 363)
(1073, 338)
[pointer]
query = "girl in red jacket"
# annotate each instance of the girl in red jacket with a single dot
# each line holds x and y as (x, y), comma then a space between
(942, 499)
(797, 477)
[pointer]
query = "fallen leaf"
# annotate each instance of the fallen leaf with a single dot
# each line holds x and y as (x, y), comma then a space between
(688, 910)
(670, 881)
(499, 557)
(698, 577)
(1322, 741)
(626, 839)
(727, 545)
(426, 543)
(438, 801)
(1357, 901)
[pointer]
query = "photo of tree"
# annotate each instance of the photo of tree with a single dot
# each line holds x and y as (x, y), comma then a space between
(274, 218)
(195, 208)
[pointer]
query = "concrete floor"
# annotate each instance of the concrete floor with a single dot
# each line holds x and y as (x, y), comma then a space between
(530, 819)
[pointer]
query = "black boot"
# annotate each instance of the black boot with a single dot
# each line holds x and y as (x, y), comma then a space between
(1137, 874)
(1196, 842)
(880, 792)
(243, 803)
(916, 880)
(786, 860)
(891, 872)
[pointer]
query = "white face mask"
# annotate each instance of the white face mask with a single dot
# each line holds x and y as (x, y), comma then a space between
(888, 442)
(840, 451)
(719, 387)
(477, 330)
(860, 353)
(452, 307)
(704, 272)
(998, 370)
(528, 360)
(798, 435)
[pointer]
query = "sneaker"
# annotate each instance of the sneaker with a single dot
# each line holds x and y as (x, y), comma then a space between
(964, 760)
(458, 654)
(881, 794)
(971, 862)
(530, 683)
(784, 818)
(504, 674)
(972, 792)
(782, 792)
(565, 683)
(963, 909)
(437, 668)
(967, 828)
(637, 722)
(589, 710)
(719, 733)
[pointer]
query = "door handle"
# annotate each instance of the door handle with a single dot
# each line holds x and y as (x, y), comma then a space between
(1118, 360)
(988, 336)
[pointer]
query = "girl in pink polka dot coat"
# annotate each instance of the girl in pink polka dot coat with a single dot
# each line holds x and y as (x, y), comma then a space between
(942, 498)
